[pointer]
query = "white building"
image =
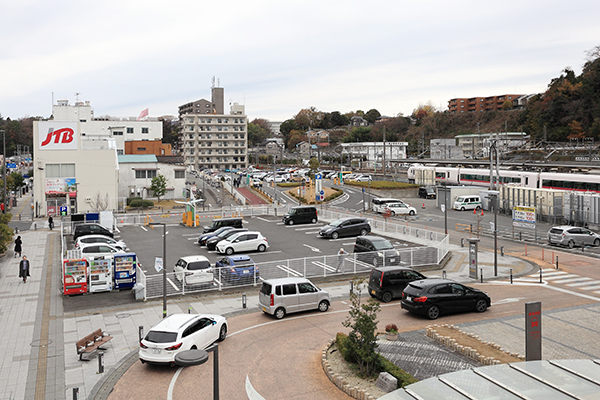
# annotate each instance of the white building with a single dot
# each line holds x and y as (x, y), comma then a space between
(137, 170)
(373, 152)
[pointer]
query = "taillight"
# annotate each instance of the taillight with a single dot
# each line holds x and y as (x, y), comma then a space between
(176, 347)
(272, 300)
(143, 346)
(421, 299)
(381, 280)
(232, 270)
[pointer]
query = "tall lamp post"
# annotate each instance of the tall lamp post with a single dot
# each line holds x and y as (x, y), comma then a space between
(4, 169)
(164, 268)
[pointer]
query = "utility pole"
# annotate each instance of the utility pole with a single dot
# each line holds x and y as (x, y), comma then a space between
(384, 153)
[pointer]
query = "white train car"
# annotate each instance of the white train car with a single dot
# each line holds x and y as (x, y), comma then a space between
(576, 182)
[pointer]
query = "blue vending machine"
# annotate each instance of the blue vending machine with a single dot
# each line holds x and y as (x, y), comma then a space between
(124, 270)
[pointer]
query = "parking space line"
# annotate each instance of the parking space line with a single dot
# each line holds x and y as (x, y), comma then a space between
(172, 284)
(323, 265)
(583, 283)
(144, 228)
(289, 270)
(306, 228)
(311, 233)
(312, 248)
(572, 280)
(364, 264)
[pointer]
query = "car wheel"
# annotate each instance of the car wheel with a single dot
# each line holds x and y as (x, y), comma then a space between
(323, 306)
(142, 361)
(571, 244)
(411, 213)
(335, 235)
(229, 251)
(462, 209)
(393, 214)
(262, 248)
(222, 333)
(481, 305)
(433, 312)
(597, 242)
(387, 297)
(291, 222)
(363, 232)
(193, 347)
(314, 221)
(279, 313)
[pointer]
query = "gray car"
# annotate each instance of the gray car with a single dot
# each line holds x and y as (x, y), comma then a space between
(572, 236)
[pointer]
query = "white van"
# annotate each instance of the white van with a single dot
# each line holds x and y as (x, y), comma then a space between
(378, 204)
(282, 296)
(468, 202)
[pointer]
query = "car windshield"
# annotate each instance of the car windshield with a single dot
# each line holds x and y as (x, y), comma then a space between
(382, 245)
(293, 211)
(161, 337)
(198, 265)
(229, 234)
(337, 223)
(225, 233)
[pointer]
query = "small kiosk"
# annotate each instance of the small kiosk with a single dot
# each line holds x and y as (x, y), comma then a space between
(124, 270)
(75, 276)
(100, 274)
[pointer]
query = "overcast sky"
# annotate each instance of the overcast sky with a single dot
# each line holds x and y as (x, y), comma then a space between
(277, 57)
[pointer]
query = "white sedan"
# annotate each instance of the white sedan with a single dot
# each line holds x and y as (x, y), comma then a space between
(179, 332)
(399, 209)
(90, 250)
(243, 242)
(84, 240)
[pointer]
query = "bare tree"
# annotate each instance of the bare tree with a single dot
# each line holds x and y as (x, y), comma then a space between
(99, 204)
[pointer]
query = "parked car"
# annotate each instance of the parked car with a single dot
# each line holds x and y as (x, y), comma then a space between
(387, 283)
(237, 268)
(211, 244)
(427, 192)
(205, 236)
(376, 250)
(84, 240)
(194, 270)
(282, 296)
(180, 332)
(301, 215)
(220, 222)
(91, 250)
(400, 208)
(433, 297)
(572, 236)
(242, 242)
(470, 202)
(351, 226)
(255, 182)
(363, 178)
(380, 202)
(90, 229)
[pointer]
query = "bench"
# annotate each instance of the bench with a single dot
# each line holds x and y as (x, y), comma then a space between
(91, 343)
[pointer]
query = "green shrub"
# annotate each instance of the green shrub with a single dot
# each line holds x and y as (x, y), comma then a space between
(139, 203)
(344, 347)
(130, 199)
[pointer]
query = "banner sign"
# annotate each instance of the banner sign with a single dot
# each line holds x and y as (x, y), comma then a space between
(57, 135)
(524, 217)
(60, 186)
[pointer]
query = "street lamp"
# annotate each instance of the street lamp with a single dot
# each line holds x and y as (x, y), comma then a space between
(4, 169)
(164, 266)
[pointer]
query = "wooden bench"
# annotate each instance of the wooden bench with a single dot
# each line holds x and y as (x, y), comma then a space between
(91, 343)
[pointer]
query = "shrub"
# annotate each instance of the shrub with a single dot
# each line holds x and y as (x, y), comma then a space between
(343, 344)
(130, 199)
(141, 203)
(403, 377)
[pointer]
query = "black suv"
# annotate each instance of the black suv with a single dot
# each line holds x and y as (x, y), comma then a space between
(427, 192)
(90, 229)
(376, 250)
(301, 215)
(387, 283)
(351, 226)
(221, 222)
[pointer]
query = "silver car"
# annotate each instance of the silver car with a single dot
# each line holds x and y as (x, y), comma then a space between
(572, 236)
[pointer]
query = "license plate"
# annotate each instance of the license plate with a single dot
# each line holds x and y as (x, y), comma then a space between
(264, 309)
(408, 298)
(246, 272)
(392, 260)
(156, 351)
(372, 291)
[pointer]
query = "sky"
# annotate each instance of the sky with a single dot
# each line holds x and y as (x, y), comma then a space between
(278, 57)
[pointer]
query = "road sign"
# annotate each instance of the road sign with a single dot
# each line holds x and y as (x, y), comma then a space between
(443, 206)
(318, 176)
(63, 210)
(322, 192)
(158, 264)
(322, 197)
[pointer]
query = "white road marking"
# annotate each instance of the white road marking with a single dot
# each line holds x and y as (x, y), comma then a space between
(144, 228)
(506, 301)
(589, 287)
(251, 392)
(553, 278)
(312, 248)
(308, 228)
(285, 268)
(172, 384)
(323, 265)
(359, 202)
(312, 233)
(583, 283)
(172, 284)
(190, 234)
(265, 220)
(572, 280)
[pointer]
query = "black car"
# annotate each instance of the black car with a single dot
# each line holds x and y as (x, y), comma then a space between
(301, 215)
(376, 250)
(351, 226)
(427, 192)
(432, 297)
(387, 283)
(90, 229)
(211, 243)
(205, 236)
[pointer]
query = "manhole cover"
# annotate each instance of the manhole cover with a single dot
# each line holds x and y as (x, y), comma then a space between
(123, 315)
(40, 343)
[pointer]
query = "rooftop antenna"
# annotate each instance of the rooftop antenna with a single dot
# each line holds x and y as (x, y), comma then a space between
(77, 97)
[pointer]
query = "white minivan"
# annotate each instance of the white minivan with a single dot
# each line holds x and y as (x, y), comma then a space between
(282, 296)
(469, 202)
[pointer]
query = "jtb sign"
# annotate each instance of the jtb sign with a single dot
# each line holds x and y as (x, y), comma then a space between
(54, 135)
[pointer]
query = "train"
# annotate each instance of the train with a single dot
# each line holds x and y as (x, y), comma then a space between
(433, 175)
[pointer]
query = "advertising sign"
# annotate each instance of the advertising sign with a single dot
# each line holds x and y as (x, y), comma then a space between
(60, 186)
(524, 217)
(57, 135)
(533, 331)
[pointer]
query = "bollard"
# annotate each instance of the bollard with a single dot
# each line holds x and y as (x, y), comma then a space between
(520, 235)
(17, 228)
(75, 393)
(556, 262)
(540, 275)
(481, 274)
(462, 242)
(582, 246)
(100, 362)
(141, 332)
(511, 279)
(351, 287)
(35, 226)
(444, 274)
(502, 251)
(244, 301)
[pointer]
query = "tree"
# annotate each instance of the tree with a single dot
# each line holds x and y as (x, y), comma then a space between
(372, 115)
(99, 203)
(257, 133)
(287, 126)
(309, 118)
(159, 186)
(14, 181)
(337, 119)
(362, 320)
(171, 130)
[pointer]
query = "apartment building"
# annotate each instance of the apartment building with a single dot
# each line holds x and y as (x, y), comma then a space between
(478, 144)
(212, 139)
(480, 104)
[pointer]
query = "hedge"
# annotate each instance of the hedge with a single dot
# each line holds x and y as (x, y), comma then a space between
(141, 203)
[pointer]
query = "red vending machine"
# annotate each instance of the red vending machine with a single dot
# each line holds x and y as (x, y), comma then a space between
(124, 273)
(75, 276)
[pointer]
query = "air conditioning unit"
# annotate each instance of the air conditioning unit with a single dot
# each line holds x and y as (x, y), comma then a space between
(88, 199)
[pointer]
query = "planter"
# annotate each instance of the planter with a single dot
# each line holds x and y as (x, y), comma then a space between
(391, 336)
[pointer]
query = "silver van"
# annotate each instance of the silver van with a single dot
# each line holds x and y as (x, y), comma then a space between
(469, 202)
(282, 296)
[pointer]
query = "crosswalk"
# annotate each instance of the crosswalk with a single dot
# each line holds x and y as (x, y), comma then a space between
(564, 278)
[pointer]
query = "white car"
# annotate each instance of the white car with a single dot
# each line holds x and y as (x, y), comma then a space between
(256, 182)
(242, 242)
(83, 240)
(180, 332)
(90, 250)
(363, 178)
(399, 209)
(194, 270)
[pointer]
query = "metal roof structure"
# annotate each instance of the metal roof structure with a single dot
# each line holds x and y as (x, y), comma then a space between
(544, 380)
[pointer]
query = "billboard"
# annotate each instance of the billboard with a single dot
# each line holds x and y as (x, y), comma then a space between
(57, 135)
(60, 186)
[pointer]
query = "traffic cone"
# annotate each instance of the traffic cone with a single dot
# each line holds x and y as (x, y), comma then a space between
(475, 211)
(423, 205)
(482, 212)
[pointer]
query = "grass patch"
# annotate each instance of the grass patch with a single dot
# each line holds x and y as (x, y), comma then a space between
(383, 185)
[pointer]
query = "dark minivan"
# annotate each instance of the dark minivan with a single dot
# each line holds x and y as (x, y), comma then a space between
(427, 192)
(301, 215)
(376, 250)
(387, 283)
(351, 226)
(221, 222)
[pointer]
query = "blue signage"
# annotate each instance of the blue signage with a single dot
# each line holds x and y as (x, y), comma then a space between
(11, 165)
(318, 176)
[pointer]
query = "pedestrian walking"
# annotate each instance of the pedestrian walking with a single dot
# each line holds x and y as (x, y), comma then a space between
(341, 260)
(50, 222)
(24, 269)
(18, 246)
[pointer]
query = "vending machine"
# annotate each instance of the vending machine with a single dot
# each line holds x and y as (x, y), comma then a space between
(124, 270)
(100, 274)
(75, 276)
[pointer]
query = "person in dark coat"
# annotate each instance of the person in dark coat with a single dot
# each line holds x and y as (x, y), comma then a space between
(24, 269)
(50, 222)
(18, 246)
